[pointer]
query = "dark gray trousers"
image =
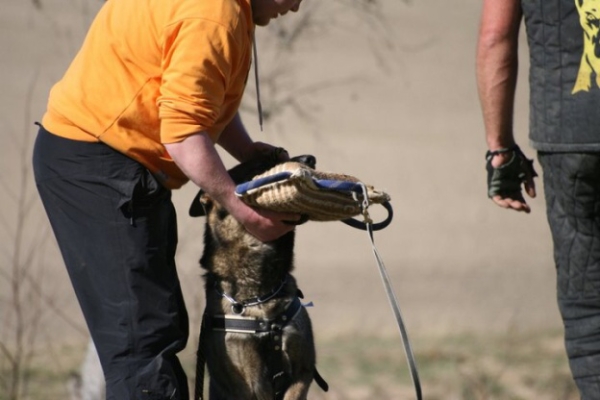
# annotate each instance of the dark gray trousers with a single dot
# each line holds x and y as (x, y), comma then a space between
(116, 229)
(572, 190)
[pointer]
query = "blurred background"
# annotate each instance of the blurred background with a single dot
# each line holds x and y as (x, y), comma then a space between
(380, 89)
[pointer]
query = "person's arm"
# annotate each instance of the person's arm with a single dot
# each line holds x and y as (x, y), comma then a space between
(199, 160)
(497, 66)
(235, 140)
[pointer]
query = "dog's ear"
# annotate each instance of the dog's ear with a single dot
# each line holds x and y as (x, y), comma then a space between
(200, 205)
(306, 159)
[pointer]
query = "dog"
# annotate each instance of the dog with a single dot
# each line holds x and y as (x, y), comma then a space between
(256, 336)
(589, 19)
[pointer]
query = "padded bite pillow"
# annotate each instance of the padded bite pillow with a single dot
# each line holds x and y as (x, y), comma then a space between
(296, 188)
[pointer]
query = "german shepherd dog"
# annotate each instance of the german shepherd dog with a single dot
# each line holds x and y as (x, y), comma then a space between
(256, 336)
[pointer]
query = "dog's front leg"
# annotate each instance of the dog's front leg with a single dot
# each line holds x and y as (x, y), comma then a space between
(298, 390)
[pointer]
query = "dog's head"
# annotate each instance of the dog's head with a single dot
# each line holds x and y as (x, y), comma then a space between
(241, 173)
(226, 241)
(589, 17)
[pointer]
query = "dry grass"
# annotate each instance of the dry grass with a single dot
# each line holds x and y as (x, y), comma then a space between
(465, 367)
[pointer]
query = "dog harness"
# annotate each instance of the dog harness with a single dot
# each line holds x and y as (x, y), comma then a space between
(236, 323)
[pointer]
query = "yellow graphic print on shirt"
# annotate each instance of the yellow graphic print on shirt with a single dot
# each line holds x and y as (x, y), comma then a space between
(589, 18)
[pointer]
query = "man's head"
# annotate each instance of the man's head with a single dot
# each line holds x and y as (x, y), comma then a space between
(264, 10)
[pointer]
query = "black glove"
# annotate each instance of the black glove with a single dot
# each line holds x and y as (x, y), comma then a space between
(506, 180)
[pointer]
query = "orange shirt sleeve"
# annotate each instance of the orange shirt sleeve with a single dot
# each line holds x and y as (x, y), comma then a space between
(198, 56)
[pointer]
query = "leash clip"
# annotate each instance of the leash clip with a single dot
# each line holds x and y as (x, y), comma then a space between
(367, 217)
(364, 205)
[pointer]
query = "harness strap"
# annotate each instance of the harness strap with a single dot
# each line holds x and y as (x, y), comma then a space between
(281, 380)
(200, 362)
(320, 381)
(239, 324)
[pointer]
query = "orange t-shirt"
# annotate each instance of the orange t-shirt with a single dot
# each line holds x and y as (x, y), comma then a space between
(151, 72)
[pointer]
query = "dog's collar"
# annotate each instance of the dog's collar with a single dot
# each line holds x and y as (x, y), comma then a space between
(240, 324)
(238, 307)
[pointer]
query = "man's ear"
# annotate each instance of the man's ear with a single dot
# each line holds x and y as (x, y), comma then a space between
(200, 205)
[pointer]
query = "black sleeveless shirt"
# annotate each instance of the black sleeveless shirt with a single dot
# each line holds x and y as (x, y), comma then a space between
(564, 74)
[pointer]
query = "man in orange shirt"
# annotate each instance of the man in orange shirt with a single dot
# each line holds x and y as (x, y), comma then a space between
(155, 85)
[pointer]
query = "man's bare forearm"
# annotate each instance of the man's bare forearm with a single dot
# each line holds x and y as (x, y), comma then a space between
(497, 65)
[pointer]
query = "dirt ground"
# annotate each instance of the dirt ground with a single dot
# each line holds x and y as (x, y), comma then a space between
(395, 105)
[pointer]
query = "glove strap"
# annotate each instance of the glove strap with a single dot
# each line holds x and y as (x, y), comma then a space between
(491, 154)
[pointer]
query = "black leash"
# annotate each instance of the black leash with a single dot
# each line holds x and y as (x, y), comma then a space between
(373, 226)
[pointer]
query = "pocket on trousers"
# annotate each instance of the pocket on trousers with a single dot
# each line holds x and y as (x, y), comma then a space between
(143, 195)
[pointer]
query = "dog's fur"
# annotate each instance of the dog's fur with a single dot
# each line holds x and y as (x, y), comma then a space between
(242, 267)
